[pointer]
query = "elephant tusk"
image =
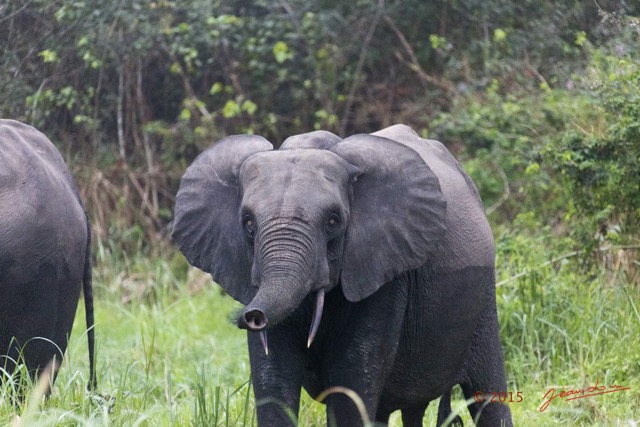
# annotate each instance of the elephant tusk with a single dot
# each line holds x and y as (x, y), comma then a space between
(317, 315)
(265, 344)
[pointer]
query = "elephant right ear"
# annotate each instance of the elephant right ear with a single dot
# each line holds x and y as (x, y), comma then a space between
(207, 227)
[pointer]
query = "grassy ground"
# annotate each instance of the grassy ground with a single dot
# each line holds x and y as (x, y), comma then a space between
(169, 356)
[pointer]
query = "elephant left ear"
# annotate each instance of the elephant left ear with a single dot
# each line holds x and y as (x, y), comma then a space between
(398, 213)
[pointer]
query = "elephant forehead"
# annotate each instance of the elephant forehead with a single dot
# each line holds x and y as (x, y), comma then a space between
(318, 168)
(308, 179)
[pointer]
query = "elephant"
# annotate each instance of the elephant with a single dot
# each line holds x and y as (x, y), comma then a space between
(45, 261)
(365, 264)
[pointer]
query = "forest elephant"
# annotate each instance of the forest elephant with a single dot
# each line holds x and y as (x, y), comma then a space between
(44, 254)
(365, 263)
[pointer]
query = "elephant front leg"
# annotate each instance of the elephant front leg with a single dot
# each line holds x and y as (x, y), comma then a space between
(353, 398)
(360, 356)
(276, 377)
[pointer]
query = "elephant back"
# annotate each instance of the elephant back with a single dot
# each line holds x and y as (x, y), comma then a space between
(41, 216)
(27, 156)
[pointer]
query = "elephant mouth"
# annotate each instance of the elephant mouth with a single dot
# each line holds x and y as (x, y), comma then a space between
(255, 320)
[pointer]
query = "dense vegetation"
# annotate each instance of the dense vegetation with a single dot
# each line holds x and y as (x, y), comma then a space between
(539, 99)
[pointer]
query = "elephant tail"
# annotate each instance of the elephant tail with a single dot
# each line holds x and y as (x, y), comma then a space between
(444, 413)
(87, 289)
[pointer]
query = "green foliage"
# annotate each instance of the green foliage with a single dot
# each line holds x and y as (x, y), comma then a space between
(281, 52)
(560, 324)
(568, 155)
(599, 163)
(137, 89)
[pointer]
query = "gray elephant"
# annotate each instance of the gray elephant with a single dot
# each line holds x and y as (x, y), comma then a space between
(44, 253)
(382, 235)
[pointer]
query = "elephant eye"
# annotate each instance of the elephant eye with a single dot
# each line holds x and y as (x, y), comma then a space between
(332, 223)
(249, 227)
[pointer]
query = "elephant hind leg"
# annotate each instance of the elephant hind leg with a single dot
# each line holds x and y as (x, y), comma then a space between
(485, 375)
(412, 417)
(444, 411)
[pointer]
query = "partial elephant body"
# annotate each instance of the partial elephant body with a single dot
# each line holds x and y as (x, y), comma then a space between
(468, 236)
(44, 251)
(391, 229)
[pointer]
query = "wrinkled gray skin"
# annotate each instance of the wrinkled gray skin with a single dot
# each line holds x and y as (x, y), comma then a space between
(391, 229)
(44, 252)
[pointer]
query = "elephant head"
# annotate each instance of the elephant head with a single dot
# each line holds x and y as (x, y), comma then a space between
(274, 226)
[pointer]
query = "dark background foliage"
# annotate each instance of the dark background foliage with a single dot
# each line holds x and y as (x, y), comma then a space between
(540, 99)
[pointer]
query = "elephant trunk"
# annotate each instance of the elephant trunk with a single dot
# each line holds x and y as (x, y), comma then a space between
(284, 266)
(273, 303)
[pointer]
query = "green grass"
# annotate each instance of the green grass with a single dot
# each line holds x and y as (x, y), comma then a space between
(168, 354)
